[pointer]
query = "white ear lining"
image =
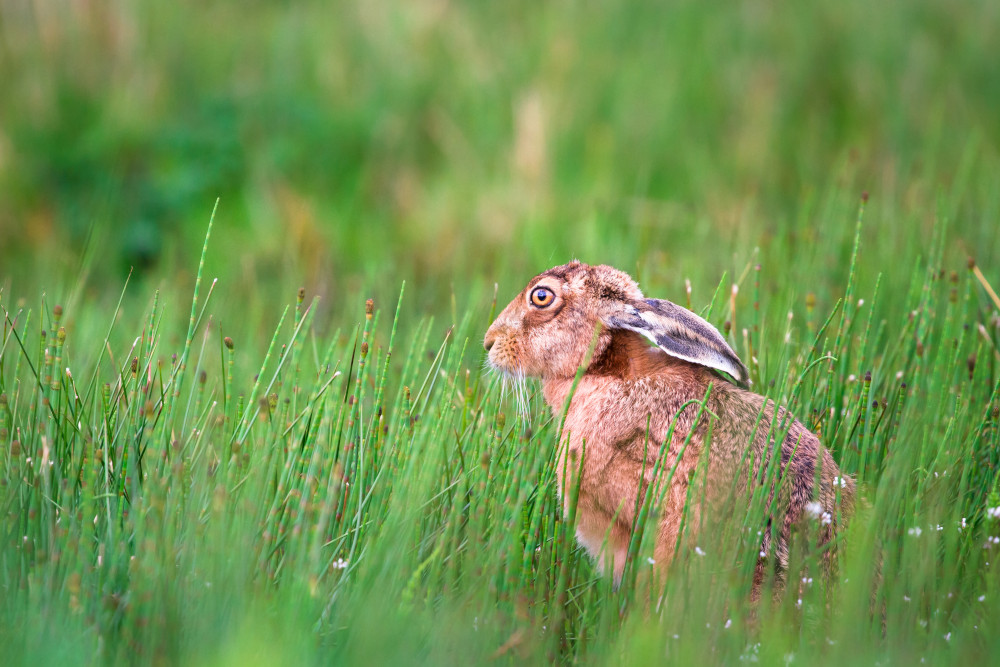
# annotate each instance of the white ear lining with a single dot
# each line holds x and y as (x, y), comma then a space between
(681, 334)
(715, 360)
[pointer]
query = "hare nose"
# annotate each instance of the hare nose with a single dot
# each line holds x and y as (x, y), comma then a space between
(488, 342)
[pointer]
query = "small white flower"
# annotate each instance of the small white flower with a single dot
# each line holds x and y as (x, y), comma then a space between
(915, 531)
(699, 551)
(650, 561)
(939, 527)
(814, 509)
(341, 564)
(763, 554)
(729, 623)
(840, 481)
(798, 603)
(861, 302)
(906, 598)
(899, 375)
(982, 598)
(993, 512)
(947, 637)
(826, 519)
(852, 377)
(807, 580)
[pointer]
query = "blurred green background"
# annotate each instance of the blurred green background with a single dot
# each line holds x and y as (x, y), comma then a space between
(357, 144)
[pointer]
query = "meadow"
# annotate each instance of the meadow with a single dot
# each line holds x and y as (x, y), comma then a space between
(249, 251)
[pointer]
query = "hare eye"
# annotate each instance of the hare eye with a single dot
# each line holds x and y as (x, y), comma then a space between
(542, 297)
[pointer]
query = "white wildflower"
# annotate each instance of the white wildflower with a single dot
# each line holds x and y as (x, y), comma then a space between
(826, 519)
(341, 564)
(852, 377)
(993, 512)
(982, 598)
(814, 509)
(915, 531)
(650, 561)
(699, 551)
(729, 623)
(947, 637)
(840, 481)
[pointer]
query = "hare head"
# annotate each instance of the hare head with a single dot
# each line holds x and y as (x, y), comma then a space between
(548, 329)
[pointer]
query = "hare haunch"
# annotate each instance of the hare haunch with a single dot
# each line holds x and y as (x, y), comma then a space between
(627, 398)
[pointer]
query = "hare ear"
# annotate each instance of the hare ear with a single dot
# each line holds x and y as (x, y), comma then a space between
(682, 334)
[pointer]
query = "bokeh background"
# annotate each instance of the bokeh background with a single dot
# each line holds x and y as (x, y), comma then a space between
(354, 145)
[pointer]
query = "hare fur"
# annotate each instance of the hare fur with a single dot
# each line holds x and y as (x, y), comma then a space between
(652, 365)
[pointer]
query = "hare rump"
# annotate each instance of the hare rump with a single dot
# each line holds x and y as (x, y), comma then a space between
(652, 364)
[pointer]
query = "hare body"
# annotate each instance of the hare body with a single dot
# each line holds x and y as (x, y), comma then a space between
(620, 416)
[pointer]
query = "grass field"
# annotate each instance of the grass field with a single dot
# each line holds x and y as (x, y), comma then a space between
(202, 463)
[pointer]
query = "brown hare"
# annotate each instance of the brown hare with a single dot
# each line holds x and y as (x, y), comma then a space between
(629, 394)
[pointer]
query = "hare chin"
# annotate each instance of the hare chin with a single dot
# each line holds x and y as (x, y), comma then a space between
(513, 384)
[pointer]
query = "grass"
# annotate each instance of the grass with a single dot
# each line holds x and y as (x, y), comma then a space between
(202, 463)
(367, 495)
